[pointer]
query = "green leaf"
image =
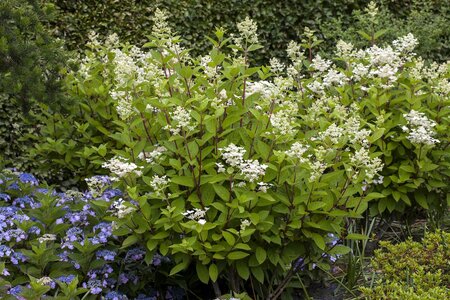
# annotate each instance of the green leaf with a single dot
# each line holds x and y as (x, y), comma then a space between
(254, 47)
(130, 240)
(183, 180)
(364, 35)
(180, 267)
(243, 270)
(229, 238)
(222, 192)
(376, 135)
(261, 255)
(374, 195)
(318, 240)
(357, 236)
(235, 255)
(339, 249)
(380, 33)
(258, 273)
(102, 150)
(213, 272)
(202, 272)
(316, 205)
(421, 199)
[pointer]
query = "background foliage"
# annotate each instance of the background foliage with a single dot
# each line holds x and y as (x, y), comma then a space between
(278, 21)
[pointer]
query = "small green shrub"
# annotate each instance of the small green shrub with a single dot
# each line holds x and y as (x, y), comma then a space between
(30, 58)
(31, 67)
(412, 270)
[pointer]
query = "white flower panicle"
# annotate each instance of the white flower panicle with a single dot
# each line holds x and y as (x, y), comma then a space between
(420, 128)
(362, 161)
(124, 104)
(295, 53)
(355, 134)
(247, 31)
(276, 66)
(152, 156)
(372, 9)
(122, 167)
(121, 210)
(234, 157)
(344, 49)
(196, 214)
(210, 71)
(220, 168)
(181, 120)
(252, 170)
(334, 77)
(263, 186)
(159, 184)
(161, 28)
(44, 280)
(268, 90)
(47, 237)
(406, 44)
(296, 152)
(320, 64)
(283, 124)
(317, 168)
(334, 133)
(244, 224)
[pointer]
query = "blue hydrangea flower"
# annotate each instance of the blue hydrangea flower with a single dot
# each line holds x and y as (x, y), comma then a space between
(111, 193)
(95, 286)
(34, 230)
(64, 256)
(66, 278)
(5, 197)
(13, 234)
(14, 186)
(124, 278)
(73, 234)
(5, 251)
(115, 296)
(103, 231)
(17, 257)
(135, 254)
(15, 291)
(102, 272)
(145, 297)
(5, 272)
(28, 178)
(25, 201)
(107, 255)
(41, 191)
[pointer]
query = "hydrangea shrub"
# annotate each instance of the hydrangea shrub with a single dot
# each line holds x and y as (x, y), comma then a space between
(67, 245)
(249, 174)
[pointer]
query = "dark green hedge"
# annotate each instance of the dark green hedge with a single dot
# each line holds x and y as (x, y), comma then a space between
(279, 21)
